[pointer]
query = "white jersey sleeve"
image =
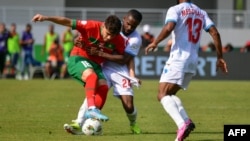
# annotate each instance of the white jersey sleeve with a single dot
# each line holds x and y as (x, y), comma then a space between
(171, 16)
(208, 22)
(134, 44)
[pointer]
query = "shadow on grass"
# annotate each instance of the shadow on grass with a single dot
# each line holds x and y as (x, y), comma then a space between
(175, 133)
(170, 133)
(208, 140)
(160, 133)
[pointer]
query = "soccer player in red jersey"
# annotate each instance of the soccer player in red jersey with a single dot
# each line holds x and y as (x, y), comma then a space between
(86, 68)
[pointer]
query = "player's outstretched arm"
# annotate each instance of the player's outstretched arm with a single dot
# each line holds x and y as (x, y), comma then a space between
(165, 32)
(120, 59)
(55, 19)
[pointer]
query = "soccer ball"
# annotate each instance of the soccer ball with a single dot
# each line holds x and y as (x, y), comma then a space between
(92, 127)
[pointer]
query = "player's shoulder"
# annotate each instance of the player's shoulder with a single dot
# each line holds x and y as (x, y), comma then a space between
(89, 23)
(135, 36)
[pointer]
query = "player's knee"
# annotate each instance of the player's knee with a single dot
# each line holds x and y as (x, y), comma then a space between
(129, 108)
(89, 76)
(160, 96)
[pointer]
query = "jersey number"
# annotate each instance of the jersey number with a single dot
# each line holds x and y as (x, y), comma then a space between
(194, 29)
(125, 83)
(86, 64)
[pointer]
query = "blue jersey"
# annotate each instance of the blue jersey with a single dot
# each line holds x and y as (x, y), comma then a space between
(27, 36)
(3, 41)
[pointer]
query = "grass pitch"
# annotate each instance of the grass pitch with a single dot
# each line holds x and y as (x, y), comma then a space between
(36, 110)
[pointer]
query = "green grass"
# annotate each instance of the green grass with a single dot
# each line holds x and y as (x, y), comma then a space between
(36, 110)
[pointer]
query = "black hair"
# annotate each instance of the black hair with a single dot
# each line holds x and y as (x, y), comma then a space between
(28, 25)
(113, 24)
(135, 14)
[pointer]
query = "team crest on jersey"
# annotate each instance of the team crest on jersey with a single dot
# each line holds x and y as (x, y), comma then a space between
(83, 22)
(109, 47)
(134, 46)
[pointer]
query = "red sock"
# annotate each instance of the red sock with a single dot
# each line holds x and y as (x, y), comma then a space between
(90, 88)
(101, 95)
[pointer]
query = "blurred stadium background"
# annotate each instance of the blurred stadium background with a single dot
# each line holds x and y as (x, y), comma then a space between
(232, 17)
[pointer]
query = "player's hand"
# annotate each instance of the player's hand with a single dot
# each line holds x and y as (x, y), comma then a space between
(135, 82)
(92, 50)
(139, 81)
(38, 17)
(222, 65)
(150, 47)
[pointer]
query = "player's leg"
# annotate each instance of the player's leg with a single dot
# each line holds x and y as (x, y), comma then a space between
(100, 95)
(166, 90)
(102, 88)
(75, 69)
(188, 122)
(83, 70)
(187, 77)
(76, 125)
(80, 116)
(123, 89)
(164, 96)
(128, 106)
(170, 83)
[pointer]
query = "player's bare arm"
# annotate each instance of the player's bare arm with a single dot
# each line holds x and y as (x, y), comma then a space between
(131, 69)
(121, 59)
(221, 63)
(56, 19)
(217, 41)
(165, 32)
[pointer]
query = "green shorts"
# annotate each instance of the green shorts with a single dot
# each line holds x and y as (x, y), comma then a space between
(77, 64)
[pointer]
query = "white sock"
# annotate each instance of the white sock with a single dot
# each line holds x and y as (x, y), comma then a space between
(91, 107)
(172, 109)
(180, 107)
(80, 117)
(132, 117)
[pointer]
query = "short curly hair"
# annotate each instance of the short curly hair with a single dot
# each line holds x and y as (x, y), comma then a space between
(113, 24)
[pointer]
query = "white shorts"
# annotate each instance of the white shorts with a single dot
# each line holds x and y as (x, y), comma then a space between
(120, 81)
(176, 77)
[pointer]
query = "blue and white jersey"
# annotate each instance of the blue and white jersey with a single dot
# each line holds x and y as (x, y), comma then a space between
(189, 20)
(132, 48)
(117, 75)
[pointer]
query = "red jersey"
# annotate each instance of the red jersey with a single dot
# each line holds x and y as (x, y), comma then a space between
(91, 37)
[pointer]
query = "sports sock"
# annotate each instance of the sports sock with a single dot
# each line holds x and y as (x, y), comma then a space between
(132, 117)
(180, 107)
(171, 108)
(101, 96)
(80, 117)
(90, 89)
